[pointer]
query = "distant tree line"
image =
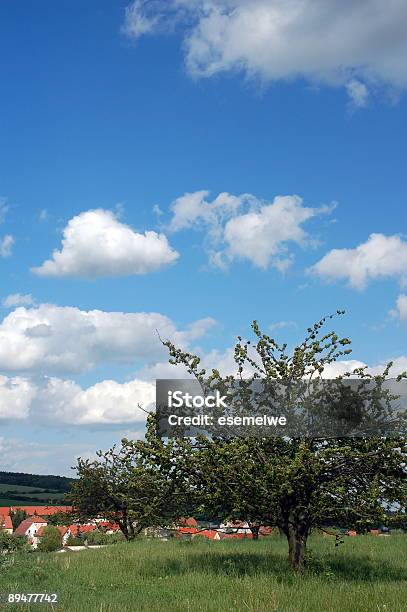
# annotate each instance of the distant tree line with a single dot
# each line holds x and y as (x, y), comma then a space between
(21, 498)
(51, 483)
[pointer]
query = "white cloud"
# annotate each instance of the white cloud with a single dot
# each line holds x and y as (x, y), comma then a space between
(55, 400)
(223, 361)
(106, 402)
(357, 92)
(244, 227)
(330, 42)
(401, 308)
(60, 339)
(138, 21)
(282, 325)
(399, 366)
(6, 245)
(379, 257)
(58, 401)
(339, 368)
(194, 209)
(16, 395)
(18, 299)
(262, 235)
(96, 244)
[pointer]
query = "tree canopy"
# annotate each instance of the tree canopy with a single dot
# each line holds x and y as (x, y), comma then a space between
(302, 482)
(355, 479)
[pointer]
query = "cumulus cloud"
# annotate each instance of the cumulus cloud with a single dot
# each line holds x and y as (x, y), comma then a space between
(379, 257)
(61, 401)
(57, 401)
(96, 244)
(244, 227)
(60, 339)
(357, 44)
(194, 209)
(6, 245)
(18, 299)
(106, 402)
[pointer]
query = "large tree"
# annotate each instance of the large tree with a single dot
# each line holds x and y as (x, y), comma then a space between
(305, 481)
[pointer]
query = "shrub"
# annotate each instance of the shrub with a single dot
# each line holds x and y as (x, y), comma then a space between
(74, 541)
(99, 537)
(50, 540)
(11, 543)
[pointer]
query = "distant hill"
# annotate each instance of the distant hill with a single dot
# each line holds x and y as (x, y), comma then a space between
(17, 488)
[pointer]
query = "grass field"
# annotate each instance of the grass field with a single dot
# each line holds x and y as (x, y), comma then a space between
(364, 574)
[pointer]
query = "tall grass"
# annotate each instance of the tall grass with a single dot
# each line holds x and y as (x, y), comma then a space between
(365, 574)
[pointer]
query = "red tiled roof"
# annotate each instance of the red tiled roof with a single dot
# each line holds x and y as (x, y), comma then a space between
(5, 522)
(40, 531)
(188, 522)
(61, 528)
(236, 536)
(108, 525)
(81, 528)
(24, 525)
(37, 510)
(188, 529)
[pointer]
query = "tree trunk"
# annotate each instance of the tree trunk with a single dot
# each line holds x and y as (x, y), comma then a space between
(127, 528)
(255, 531)
(297, 547)
(296, 531)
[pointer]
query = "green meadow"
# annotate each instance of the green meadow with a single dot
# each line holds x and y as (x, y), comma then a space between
(365, 574)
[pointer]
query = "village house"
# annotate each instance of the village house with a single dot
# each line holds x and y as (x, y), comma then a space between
(6, 524)
(29, 528)
(33, 526)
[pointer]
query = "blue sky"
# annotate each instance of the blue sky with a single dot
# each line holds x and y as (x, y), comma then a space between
(114, 108)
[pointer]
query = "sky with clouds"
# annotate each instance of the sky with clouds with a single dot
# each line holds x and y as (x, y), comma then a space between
(175, 169)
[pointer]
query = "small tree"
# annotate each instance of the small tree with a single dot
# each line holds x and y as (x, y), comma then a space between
(51, 539)
(17, 517)
(10, 543)
(120, 486)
